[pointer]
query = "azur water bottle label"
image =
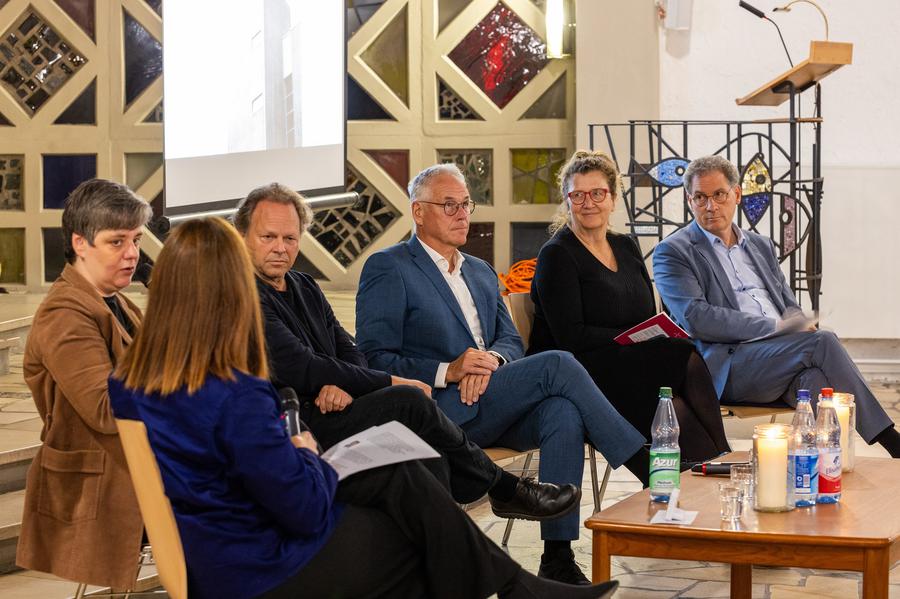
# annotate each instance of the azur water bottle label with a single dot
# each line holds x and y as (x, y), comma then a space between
(665, 473)
(806, 478)
(830, 471)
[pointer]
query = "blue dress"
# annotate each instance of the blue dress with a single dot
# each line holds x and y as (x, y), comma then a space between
(251, 508)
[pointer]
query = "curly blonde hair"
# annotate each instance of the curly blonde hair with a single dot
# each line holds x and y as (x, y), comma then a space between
(581, 163)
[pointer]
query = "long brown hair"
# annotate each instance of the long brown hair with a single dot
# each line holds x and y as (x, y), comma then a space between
(203, 315)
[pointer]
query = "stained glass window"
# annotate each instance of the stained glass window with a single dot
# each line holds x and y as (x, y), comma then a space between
(143, 58)
(12, 256)
(477, 167)
(62, 173)
(11, 169)
(346, 232)
(534, 174)
(449, 10)
(501, 55)
(358, 12)
(527, 240)
(451, 107)
(82, 12)
(361, 106)
(36, 60)
(387, 56)
(394, 162)
(480, 242)
(139, 167)
(54, 254)
(83, 109)
(551, 104)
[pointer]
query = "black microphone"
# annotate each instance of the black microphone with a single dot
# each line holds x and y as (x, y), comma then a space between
(290, 410)
(142, 274)
(752, 9)
(755, 11)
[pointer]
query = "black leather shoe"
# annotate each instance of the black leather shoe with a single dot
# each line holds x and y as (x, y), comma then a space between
(562, 568)
(537, 501)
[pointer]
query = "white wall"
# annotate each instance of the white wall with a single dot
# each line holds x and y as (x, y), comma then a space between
(728, 53)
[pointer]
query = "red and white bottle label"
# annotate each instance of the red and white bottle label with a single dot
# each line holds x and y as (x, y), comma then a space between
(830, 471)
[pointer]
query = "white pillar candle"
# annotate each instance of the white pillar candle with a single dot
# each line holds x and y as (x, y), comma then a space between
(771, 484)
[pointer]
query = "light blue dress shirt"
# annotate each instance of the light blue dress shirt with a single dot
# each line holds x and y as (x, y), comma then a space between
(748, 286)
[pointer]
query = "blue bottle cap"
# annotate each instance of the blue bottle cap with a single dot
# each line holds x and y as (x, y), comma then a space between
(803, 394)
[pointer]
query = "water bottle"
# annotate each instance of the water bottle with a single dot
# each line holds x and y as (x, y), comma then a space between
(665, 455)
(828, 442)
(804, 454)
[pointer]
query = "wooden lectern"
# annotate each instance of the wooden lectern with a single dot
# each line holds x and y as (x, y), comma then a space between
(824, 59)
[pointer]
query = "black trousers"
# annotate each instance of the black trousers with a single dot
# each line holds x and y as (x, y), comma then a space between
(465, 469)
(401, 535)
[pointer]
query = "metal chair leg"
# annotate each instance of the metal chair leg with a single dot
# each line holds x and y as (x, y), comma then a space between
(598, 493)
(509, 523)
(79, 591)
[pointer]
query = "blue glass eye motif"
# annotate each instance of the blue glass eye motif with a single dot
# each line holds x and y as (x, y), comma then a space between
(756, 189)
(669, 172)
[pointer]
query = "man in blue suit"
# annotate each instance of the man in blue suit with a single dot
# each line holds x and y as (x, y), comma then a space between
(725, 287)
(426, 311)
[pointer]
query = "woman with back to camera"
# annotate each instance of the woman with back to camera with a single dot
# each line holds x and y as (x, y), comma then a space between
(260, 514)
(591, 285)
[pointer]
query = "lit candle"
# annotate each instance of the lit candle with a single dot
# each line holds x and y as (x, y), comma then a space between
(771, 482)
(842, 407)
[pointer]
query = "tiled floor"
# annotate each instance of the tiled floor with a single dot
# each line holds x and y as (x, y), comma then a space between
(639, 578)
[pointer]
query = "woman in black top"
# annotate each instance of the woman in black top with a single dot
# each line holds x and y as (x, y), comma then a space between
(590, 286)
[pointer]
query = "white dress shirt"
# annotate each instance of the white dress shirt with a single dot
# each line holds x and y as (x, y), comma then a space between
(466, 303)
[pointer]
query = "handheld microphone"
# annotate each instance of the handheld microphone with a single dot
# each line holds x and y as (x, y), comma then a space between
(290, 410)
(714, 468)
(143, 273)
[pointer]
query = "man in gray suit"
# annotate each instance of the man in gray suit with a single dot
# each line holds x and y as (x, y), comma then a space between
(724, 286)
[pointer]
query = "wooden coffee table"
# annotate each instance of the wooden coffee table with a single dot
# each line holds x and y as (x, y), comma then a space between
(860, 533)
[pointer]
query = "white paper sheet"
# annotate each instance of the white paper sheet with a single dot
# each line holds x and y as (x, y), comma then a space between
(389, 443)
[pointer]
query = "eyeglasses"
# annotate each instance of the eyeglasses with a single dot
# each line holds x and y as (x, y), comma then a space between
(598, 194)
(701, 200)
(451, 208)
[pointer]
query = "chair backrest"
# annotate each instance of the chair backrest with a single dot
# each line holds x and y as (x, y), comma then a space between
(521, 309)
(155, 507)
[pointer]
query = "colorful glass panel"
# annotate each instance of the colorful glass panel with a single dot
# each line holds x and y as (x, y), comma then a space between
(54, 254)
(480, 242)
(12, 256)
(451, 107)
(35, 60)
(140, 166)
(358, 12)
(394, 162)
(387, 56)
(788, 225)
(756, 189)
(501, 55)
(527, 240)
(62, 173)
(143, 58)
(11, 179)
(83, 109)
(477, 166)
(669, 172)
(755, 205)
(82, 12)
(361, 106)
(534, 174)
(449, 10)
(346, 232)
(551, 104)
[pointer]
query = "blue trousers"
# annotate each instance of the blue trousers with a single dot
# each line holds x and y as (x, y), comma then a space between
(772, 369)
(548, 401)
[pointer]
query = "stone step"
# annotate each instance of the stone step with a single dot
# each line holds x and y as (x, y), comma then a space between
(16, 328)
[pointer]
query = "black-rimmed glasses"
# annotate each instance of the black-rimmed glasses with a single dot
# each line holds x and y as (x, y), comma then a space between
(451, 208)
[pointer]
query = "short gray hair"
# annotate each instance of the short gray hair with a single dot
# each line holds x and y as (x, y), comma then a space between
(710, 164)
(273, 192)
(99, 205)
(424, 178)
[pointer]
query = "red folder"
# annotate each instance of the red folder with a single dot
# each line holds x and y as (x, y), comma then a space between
(657, 326)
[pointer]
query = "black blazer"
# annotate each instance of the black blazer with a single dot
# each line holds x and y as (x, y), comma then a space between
(311, 349)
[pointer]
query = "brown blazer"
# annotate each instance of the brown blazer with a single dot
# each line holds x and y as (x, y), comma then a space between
(81, 518)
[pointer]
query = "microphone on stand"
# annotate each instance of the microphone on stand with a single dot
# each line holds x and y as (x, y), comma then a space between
(756, 12)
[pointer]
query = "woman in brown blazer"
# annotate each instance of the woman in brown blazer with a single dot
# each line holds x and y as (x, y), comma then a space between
(81, 518)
